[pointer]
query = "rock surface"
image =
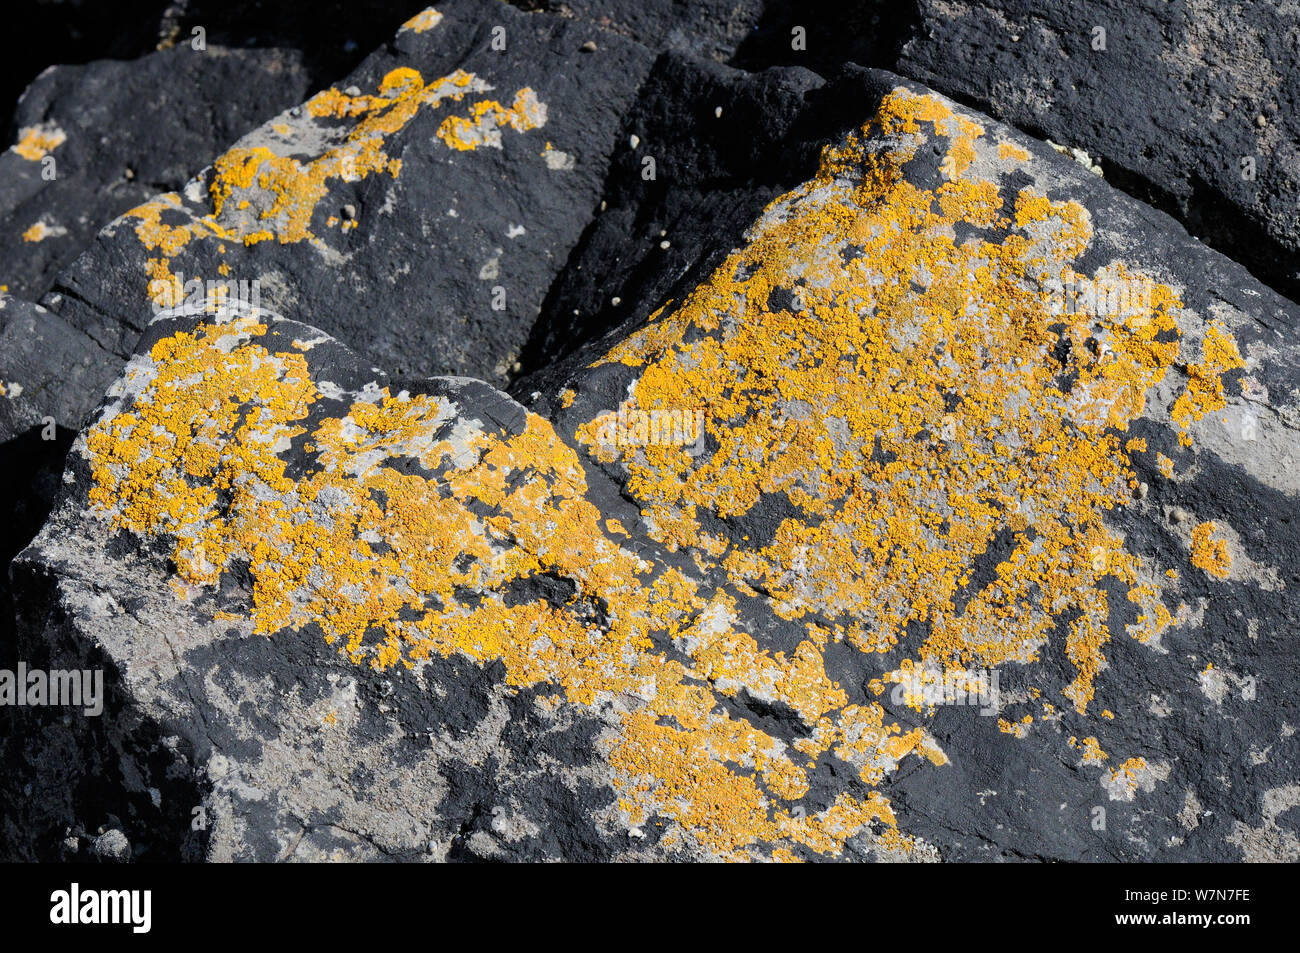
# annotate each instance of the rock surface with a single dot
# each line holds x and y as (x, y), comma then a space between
(49, 374)
(953, 406)
(444, 182)
(1193, 106)
(93, 141)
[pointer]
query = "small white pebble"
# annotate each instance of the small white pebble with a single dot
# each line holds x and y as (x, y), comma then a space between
(634, 141)
(664, 244)
(616, 301)
(718, 112)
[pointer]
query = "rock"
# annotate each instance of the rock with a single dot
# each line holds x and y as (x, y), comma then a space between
(1194, 107)
(825, 35)
(369, 760)
(768, 139)
(111, 845)
(728, 600)
(49, 374)
(805, 350)
(95, 140)
(472, 172)
(333, 40)
(707, 28)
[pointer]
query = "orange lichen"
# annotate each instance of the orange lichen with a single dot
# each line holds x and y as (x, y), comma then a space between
(196, 457)
(486, 119)
(911, 399)
(1205, 393)
(424, 20)
(907, 427)
(258, 195)
(1009, 150)
(1092, 753)
(1210, 554)
(1017, 728)
(1128, 773)
(36, 142)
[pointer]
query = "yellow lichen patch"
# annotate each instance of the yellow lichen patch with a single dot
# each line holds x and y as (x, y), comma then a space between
(953, 387)
(487, 118)
(1205, 392)
(374, 555)
(167, 239)
(36, 233)
(909, 428)
(1009, 150)
(36, 142)
(1127, 773)
(1210, 554)
(1153, 615)
(1017, 728)
(258, 195)
(1092, 753)
(424, 20)
(1165, 466)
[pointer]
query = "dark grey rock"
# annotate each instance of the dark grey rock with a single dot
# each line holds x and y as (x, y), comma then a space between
(111, 845)
(220, 743)
(1182, 93)
(446, 263)
(712, 29)
(628, 644)
(50, 373)
(113, 134)
(1000, 797)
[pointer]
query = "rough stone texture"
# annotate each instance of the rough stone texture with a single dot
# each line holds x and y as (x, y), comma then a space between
(288, 749)
(349, 616)
(49, 374)
(439, 171)
(1186, 693)
(723, 144)
(1181, 92)
(707, 28)
(113, 134)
